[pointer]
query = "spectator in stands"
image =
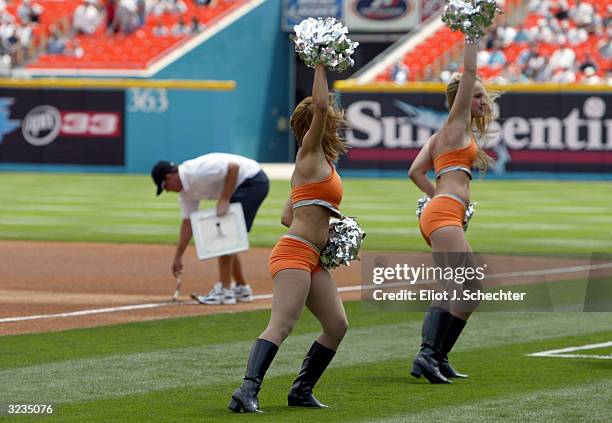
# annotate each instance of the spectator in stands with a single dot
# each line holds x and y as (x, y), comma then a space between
(511, 74)
(522, 35)
(57, 41)
(111, 8)
(180, 28)
(196, 25)
(607, 20)
(159, 30)
(447, 74)
(506, 35)
(526, 54)
(5, 63)
(13, 46)
(536, 68)
(204, 2)
(73, 48)
(583, 14)
(590, 77)
(605, 47)
(491, 40)
(544, 31)
(482, 59)
(540, 7)
(562, 10)
(126, 18)
(497, 59)
(576, 36)
(87, 17)
(178, 7)
(399, 72)
(563, 58)
(7, 26)
(25, 34)
(159, 7)
(141, 12)
(29, 12)
(563, 76)
(587, 62)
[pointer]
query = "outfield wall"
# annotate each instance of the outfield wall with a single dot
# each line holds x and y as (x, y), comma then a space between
(111, 129)
(153, 123)
(539, 129)
(254, 52)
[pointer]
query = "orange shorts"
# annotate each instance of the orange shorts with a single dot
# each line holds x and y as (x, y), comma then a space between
(441, 211)
(292, 252)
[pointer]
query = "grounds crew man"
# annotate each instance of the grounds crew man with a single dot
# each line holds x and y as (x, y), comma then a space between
(227, 178)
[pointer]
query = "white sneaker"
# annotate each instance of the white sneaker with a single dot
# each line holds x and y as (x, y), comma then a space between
(217, 296)
(243, 293)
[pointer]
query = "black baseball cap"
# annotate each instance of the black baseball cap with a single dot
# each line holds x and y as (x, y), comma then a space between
(159, 172)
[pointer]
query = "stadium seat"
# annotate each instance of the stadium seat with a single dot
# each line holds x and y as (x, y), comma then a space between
(426, 55)
(135, 51)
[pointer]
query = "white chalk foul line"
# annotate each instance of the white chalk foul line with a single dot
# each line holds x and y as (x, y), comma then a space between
(562, 353)
(572, 269)
(130, 307)
(92, 311)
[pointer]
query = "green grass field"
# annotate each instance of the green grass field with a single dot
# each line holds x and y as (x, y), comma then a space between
(511, 216)
(185, 369)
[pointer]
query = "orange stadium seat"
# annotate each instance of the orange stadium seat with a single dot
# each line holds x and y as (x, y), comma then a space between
(134, 51)
(425, 54)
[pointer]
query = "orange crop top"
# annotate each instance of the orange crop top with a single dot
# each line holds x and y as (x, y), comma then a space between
(326, 193)
(458, 159)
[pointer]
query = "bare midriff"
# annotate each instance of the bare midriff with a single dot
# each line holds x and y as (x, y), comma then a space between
(312, 224)
(456, 182)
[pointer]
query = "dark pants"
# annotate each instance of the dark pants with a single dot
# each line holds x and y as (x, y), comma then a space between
(251, 194)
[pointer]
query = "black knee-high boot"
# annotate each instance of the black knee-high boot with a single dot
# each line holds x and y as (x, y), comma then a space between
(316, 361)
(455, 327)
(435, 325)
(245, 397)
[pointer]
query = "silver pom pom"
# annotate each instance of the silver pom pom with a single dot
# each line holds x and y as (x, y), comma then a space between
(472, 17)
(344, 242)
(469, 212)
(421, 203)
(324, 41)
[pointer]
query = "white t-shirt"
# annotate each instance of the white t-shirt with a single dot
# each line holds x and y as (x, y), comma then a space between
(204, 177)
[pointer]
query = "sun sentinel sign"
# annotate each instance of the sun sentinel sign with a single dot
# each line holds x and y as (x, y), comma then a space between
(562, 132)
(62, 127)
(381, 15)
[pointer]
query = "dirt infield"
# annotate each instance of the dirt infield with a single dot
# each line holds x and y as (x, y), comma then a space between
(40, 278)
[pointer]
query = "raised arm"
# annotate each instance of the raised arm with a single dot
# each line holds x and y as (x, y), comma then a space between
(419, 168)
(463, 100)
(320, 102)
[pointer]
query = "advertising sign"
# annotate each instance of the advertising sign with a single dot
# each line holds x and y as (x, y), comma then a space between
(297, 10)
(61, 127)
(551, 132)
(381, 15)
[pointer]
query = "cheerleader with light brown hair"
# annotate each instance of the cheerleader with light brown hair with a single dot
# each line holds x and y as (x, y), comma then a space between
(452, 152)
(299, 280)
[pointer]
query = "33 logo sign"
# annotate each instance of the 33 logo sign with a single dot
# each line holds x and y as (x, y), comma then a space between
(148, 100)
